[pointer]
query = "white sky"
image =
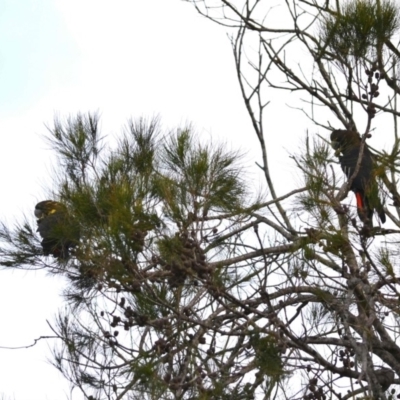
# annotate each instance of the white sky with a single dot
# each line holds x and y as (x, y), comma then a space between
(125, 58)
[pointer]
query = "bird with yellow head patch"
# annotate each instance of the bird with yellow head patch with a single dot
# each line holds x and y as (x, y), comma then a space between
(57, 230)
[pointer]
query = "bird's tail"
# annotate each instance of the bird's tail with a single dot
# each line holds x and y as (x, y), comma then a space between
(381, 213)
(366, 210)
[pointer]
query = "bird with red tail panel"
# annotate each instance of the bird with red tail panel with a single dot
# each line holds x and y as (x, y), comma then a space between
(364, 185)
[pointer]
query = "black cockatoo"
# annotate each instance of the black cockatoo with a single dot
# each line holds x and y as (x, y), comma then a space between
(363, 184)
(58, 231)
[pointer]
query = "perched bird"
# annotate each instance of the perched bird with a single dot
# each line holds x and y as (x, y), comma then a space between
(58, 231)
(348, 146)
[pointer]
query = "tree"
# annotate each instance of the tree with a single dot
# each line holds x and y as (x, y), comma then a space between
(337, 311)
(154, 217)
(183, 288)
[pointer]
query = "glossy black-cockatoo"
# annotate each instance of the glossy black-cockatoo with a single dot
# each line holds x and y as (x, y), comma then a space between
(348, 146)
(58, 230)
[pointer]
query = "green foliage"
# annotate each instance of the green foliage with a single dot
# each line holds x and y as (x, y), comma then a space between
(123, 201)
(19, 245)
(146, 212)
(268, 355)
(198, 179)
(386, 261)
(360, 28)
(313, 163)
(77, 143)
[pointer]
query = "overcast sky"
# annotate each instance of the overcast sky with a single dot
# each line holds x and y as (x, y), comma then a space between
(126, 59)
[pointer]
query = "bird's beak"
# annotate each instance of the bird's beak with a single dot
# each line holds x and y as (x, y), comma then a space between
(38, 213)
(335, 144)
